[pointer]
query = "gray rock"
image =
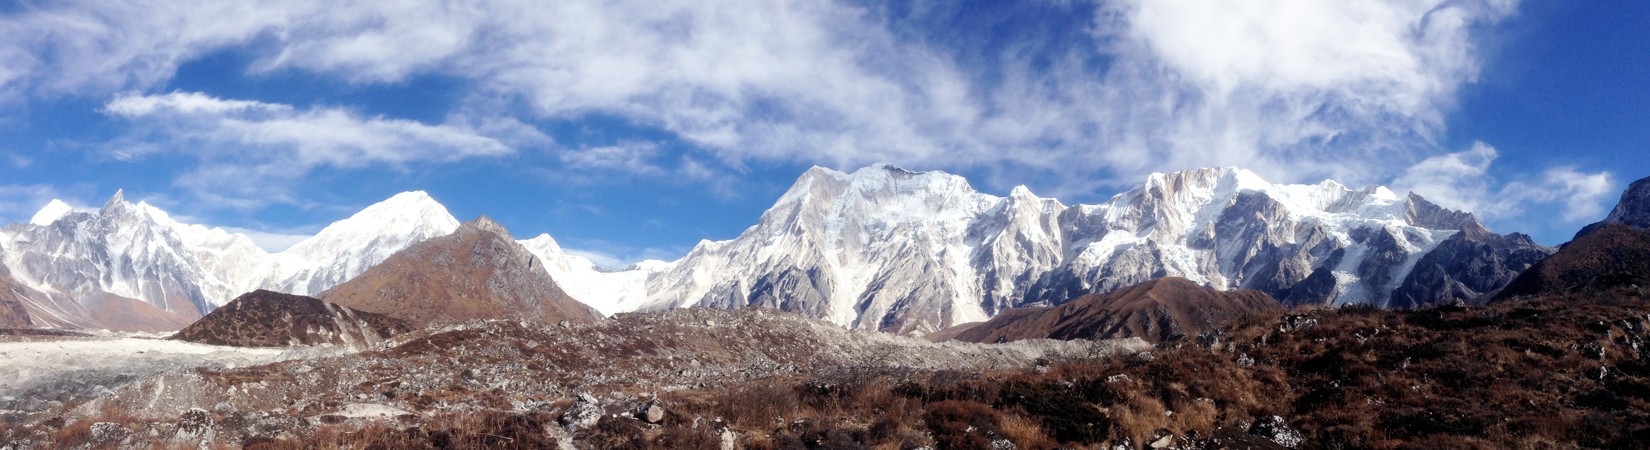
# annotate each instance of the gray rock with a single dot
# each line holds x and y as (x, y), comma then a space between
(584, 413)
(652, 413)
(1274, 429)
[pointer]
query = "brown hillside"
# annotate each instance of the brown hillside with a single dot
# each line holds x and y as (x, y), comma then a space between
(1611, 256)
(272, 319)
(478, 272)
(1156, 310)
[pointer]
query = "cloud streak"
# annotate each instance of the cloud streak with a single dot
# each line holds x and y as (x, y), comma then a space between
(249, 149)
(1462, 180)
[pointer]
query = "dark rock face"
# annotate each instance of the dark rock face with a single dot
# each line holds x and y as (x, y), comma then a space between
(1466, 267)
(272, 319)
(1633, 210)
(1157, 310)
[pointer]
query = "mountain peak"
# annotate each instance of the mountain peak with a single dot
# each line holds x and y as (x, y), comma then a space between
(484, 223)
(1634, 208)
(407, 210)
(53, 210)
(117, 200)
(1426, 214)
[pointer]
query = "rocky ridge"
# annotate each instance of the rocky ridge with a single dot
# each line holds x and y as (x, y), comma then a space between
(272, 319)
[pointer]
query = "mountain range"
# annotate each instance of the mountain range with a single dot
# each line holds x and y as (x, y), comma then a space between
(880, 248)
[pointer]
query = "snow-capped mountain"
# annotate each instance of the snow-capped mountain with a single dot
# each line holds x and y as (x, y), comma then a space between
(881, 248)
(608, 291)
(889, 249)
(348, 247)
(85, 263)
(131, 266)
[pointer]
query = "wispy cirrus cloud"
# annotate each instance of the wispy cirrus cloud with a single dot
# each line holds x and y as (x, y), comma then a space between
(248, 149)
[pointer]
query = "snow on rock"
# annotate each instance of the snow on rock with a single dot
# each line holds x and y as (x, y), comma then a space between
(608, 291)
(888, 249)
(90, 267)
(54, 210)
(348, 247)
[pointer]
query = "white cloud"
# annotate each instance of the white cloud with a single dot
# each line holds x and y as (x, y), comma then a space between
(1462, 180)
(630, 157)
(1294, 89)
(248, 149)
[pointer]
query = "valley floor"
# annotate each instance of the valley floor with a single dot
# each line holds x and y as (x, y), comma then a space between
(1567, 371)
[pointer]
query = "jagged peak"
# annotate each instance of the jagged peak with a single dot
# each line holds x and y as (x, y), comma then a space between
(1634, 207)
(118, 200)
(486, 224)
(53, 210)
(1426, 214)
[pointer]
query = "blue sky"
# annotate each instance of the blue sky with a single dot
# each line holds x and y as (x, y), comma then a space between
(633, 129)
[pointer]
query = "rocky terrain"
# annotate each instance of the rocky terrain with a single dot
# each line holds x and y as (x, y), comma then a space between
(1157, 311)
(579, 375)
(272, 319)
(477, 272)
(1612, 254)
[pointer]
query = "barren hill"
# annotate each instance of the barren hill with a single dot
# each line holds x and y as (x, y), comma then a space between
(477, 272)
(1156, 311)
(272, 319)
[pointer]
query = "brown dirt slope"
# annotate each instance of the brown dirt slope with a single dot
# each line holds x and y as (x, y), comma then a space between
(478, 272)
(12, 312)
(1612, 256)
(272, 319)
(1156, 310)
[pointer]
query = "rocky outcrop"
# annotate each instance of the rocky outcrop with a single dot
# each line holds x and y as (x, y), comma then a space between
(272, 319)
(477, 272)
(1157, 311)
(1467, 267)
(1633, 210)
